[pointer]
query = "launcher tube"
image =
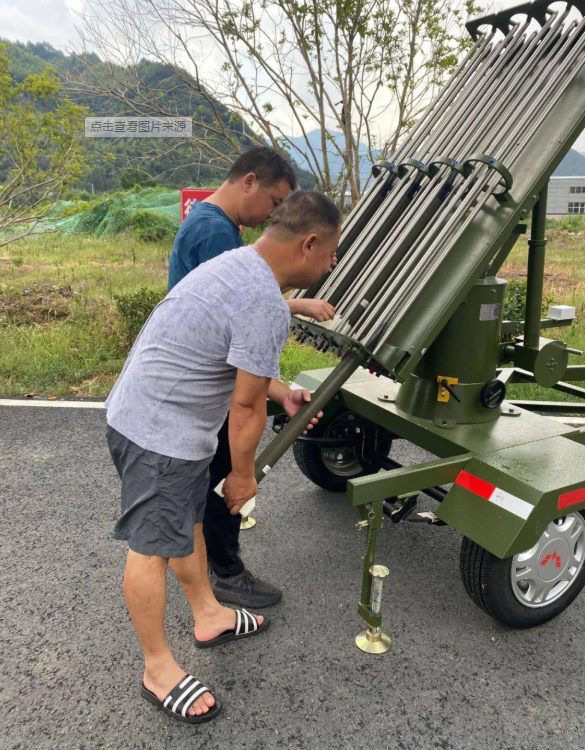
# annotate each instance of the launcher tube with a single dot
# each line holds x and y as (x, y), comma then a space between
(298, 424)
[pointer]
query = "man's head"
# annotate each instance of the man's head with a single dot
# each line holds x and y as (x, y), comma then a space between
(306, 226)
(260, 180)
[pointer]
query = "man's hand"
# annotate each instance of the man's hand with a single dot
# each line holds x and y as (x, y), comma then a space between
(238, 490)
(293, 401)
(312, 308)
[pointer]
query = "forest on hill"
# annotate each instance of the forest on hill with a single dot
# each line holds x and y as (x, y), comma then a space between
(120, 163)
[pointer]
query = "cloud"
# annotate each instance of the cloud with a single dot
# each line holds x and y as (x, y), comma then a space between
(50, 21)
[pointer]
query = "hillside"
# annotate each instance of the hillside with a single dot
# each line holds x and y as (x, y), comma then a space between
(110, 159)
(573, 165)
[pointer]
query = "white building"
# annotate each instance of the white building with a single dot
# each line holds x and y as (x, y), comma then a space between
(566, 195)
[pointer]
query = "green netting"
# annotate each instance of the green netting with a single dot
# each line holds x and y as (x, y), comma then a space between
(149, 213)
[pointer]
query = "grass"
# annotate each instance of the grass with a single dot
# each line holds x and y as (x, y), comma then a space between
(61, 332)
(564, 282)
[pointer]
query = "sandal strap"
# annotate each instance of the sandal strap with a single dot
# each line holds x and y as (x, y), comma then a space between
(245, 622)
(184, 694)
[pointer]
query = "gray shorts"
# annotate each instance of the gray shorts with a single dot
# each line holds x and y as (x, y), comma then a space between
(162, 498)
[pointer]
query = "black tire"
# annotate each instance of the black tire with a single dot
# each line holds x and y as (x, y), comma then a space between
(309, 459)
(487, 580)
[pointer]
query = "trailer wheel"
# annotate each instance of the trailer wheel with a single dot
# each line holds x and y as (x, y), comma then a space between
(533, 586)
(329, 468)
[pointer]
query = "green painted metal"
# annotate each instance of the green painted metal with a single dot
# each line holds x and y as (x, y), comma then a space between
(529, 456)
(373, 519)
(451, 282)
(548, 360)
(535, 273)
(505, 250)
(418, 396)
(550, 407)
(562, 387)
(390, 484)
(516, 327)
(297, 425)
(538, 473)
(475, 326)
(575, 373)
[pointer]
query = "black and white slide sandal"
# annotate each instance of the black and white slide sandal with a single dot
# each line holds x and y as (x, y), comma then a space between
(181, 697)
(246, 626)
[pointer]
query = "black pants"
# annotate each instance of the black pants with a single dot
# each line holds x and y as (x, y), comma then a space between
(220, 528)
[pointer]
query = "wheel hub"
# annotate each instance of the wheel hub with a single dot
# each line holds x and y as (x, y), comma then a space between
(553, 560)
(543, 573)
(341, 461)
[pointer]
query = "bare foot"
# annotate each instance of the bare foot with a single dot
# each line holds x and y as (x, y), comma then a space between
(216, 621)
(161, 678)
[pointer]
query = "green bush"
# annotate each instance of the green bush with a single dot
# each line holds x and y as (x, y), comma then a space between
(136, 307)
(136, 178)
(151, 227)
(571, 224)
(92, 219)
(515, 305)
(73, 210)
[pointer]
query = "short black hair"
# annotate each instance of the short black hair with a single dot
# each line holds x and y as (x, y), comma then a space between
(266, 163)
(304, 211)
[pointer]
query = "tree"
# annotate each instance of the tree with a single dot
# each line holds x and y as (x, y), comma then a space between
(40, 148)
(363, 68)
(136, 177)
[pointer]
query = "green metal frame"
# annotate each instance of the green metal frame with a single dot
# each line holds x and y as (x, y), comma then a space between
(528, 457)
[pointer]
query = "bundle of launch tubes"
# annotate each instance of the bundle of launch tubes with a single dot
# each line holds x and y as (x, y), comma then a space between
(459, 156)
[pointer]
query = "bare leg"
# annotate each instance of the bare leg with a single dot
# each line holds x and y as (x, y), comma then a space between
(145, 593)
(211, 618)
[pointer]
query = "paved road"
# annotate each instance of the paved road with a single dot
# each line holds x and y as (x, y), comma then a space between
(71, 664)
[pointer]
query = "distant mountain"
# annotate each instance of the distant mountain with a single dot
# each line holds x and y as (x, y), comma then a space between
(573, 165)
(335, 160)
(111, 159)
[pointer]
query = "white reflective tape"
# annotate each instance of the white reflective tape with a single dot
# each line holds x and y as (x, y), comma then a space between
(511, 503)
(266, 469)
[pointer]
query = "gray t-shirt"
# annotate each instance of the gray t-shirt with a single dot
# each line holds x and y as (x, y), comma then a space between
(174, 392)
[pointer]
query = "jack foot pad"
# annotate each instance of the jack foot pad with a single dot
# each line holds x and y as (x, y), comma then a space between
(373, 641)
(247, 523)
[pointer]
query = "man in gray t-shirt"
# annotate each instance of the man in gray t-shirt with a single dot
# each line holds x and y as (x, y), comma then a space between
(210, 346)
(175, 389)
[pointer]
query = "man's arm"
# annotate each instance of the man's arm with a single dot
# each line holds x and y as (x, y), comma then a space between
(311, 308)
(246, 425)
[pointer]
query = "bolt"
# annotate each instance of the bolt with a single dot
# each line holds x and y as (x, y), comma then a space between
(339, 456)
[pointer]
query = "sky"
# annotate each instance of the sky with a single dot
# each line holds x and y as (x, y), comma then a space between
(55, 21)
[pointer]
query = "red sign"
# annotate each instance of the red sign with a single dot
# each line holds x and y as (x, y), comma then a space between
(190, 196)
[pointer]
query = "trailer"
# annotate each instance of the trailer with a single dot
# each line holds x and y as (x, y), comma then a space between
(425, 353)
